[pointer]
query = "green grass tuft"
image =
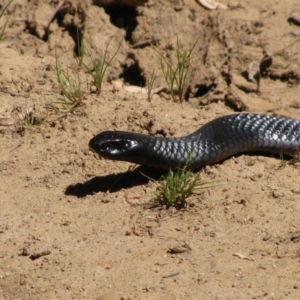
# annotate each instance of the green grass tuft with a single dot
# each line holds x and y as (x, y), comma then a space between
(100, 65)
(174, 188)
(177, 75)
(71, 87)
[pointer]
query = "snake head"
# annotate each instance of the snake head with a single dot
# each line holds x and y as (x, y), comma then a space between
(116, 145)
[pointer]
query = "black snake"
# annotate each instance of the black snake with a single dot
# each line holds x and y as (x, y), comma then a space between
(213, 142)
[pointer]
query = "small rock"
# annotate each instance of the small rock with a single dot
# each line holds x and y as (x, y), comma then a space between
(277, 194)
(25, 252)
(294, 18)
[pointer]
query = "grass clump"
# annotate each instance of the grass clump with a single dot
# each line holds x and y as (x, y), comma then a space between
(26, 116)
(295, 159)
(174, 188)
(100, 65)
(71, 87)
(31, 120)
(3, 26)
(177, 75)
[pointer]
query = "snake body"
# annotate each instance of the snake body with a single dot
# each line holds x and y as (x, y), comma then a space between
(213, 142)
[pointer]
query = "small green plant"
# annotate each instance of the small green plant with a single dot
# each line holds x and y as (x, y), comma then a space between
(150, 84)
(31, 120)
(174, 188)
(177, 75)
(295, 159)
(100, 65)
(3, 26)
(70, 85)
(26, 116)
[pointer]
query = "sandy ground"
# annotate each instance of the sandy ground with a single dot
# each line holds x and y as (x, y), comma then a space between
(73, 226)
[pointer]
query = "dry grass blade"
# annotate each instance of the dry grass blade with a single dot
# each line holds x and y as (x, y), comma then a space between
(3, 26)
(79, 52)
(150, 84)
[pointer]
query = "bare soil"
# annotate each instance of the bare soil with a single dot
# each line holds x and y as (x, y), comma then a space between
(73, 226)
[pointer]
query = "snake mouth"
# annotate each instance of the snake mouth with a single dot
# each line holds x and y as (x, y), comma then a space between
(115, 147)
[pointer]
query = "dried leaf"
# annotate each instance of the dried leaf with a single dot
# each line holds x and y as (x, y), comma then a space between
(242, 256)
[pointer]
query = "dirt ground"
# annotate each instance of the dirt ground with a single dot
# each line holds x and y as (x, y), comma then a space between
(73, 226)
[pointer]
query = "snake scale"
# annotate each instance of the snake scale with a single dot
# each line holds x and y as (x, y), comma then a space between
(213, 142)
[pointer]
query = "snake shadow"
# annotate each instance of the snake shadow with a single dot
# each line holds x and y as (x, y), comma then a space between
(115, 182)
(141, 175)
